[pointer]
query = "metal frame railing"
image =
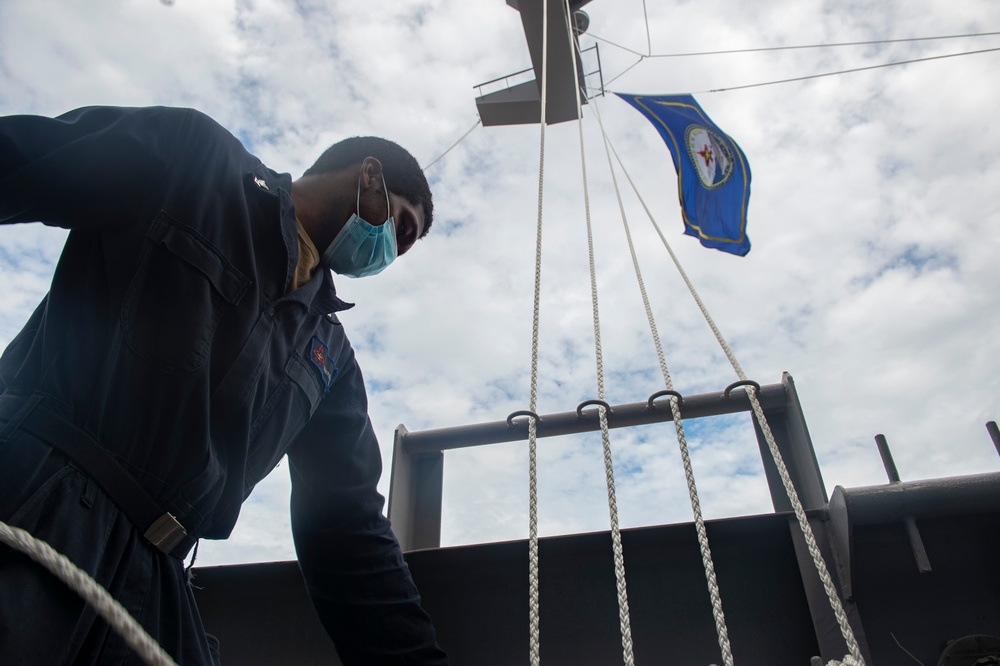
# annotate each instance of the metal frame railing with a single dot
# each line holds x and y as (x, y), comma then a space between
(506, 79)
(417, 475)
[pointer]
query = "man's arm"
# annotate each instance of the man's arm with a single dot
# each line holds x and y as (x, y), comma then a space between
(352, 563)
(91, 168)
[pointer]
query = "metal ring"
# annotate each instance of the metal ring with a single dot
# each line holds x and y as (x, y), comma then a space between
(745, 382)
(585, 403)
(660, 394)
(523, 412)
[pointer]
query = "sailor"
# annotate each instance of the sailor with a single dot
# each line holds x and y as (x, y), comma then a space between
(188, 342)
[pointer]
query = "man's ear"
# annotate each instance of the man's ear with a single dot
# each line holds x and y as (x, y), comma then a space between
(371, 173)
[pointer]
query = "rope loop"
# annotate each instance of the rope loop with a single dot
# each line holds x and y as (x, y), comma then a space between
(586, 403)
(659, 394)
(742, 382)
(90, 591)
(522, 412)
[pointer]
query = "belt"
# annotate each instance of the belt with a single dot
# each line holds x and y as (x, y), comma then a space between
(159, 527)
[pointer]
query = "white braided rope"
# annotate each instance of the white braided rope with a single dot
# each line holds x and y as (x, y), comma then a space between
(706, 552)
(609, 472)
(534, 630)
(85, 586)
(683, 274)
(793, 496)
(807, 533)
(479, 121)
(624, 619)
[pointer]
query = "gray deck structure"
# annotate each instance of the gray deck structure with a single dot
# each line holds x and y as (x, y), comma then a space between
(520, 103)
(916, 564)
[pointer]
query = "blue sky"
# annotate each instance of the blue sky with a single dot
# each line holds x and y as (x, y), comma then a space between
(872, 280)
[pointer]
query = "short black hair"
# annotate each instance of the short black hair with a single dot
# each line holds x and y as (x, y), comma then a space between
(403, 175)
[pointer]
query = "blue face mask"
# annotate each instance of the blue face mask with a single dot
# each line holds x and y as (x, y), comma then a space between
(362, 249)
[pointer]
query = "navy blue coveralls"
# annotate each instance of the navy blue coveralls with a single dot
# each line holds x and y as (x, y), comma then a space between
(168, 340)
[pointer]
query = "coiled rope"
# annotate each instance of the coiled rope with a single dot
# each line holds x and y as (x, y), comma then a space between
(91, 592)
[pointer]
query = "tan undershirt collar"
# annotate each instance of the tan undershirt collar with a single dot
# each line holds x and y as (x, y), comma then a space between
(308, 259)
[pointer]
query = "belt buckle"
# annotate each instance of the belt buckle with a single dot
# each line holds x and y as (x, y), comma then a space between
(166, 533)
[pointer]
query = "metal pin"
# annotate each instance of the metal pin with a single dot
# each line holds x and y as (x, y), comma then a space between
(917, 545)
(912, 533)
(887, 462)
(991, 427)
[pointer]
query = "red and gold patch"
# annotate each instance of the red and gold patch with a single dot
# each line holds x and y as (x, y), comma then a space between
(319, 356)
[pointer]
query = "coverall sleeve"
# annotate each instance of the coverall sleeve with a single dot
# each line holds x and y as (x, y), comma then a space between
(89, 169)
(352, 563)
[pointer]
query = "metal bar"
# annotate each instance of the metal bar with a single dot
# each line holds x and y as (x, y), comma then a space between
(400, 509)
(788, 426)
(887, 462)
(415, 495)
(501, 78)
(427, 501)
(827, 630)
(912, 532)
(587, 75)
(991, 427)
(599, 70)
(917, 545)
(772, 397)
(951, 496)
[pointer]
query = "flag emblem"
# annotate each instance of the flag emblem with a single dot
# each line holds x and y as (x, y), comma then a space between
(713, 176)
(319, 356)
(711, 156)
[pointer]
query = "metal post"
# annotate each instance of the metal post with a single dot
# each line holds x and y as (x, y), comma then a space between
(887, 462)
(991, 427)
(912, 532)
(415, 488)
(788, 425)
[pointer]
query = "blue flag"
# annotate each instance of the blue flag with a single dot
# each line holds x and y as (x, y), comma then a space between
(713, 177)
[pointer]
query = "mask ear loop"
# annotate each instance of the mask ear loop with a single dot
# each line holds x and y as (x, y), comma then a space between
(388, 211)
(357, 204)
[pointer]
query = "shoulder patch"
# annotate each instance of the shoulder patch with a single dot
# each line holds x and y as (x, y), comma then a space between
(319, 357)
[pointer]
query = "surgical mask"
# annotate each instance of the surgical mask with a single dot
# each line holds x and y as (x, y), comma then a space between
(362, 249)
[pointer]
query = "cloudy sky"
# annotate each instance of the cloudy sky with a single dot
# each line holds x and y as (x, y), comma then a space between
(874, 216)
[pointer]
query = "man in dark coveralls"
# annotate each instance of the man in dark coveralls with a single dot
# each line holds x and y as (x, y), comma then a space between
(189, 340)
